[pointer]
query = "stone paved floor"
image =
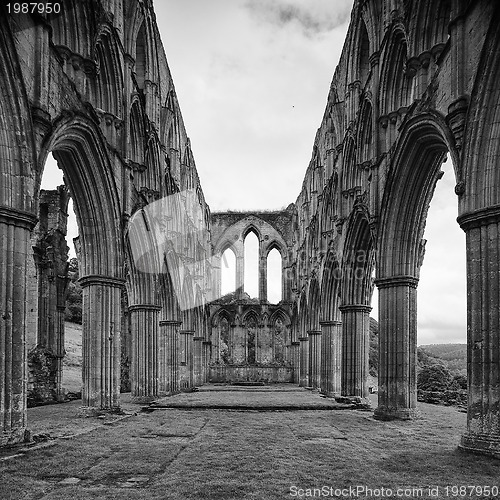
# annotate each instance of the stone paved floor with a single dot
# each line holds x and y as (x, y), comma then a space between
(183, 454)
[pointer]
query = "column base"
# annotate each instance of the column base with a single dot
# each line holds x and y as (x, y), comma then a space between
(18, 436)
(480, 444)
(143, 399)
(92, 411)
(330, 394)
(361, 403)
(385, 413)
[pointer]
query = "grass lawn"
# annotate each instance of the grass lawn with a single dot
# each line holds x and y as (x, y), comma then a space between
(221, 454)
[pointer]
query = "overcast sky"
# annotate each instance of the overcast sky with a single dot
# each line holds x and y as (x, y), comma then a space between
(252, 78)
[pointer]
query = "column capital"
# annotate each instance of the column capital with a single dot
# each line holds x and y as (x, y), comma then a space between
(144, 307)
(393, 281)
(330, 323)
(18, 218)
(304, 339)
(478, 218)
(96, 279)
(198, 339)
(207, 342)
(314, 332)
(355, 308)
(295, 342)
(187, 332)
(170, 322)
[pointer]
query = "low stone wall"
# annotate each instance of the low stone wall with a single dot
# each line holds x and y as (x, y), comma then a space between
(243, 373)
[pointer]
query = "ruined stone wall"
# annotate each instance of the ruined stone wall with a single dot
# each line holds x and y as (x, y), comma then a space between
(415, 82)
(49, 286)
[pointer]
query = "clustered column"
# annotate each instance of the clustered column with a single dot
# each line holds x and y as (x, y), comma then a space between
(331, 355)
(397, 395)
(355, 349)
(15, 246)
(304, 362)
(483, 327)
(101, 342)
(144, 328)
(314, 357)
(198, 360)
(168, 357)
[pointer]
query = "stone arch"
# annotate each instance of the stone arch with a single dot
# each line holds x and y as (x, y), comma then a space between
(481, 148)
(16, 134)
(137, 134)
(414, 171)
(74, 27)
(109, 82)
(77, 145)
(361, 54)
(428, 26)
(251, 322)
(479, 208)
(365, 133)
(314, 332)
(17, 218)
(357, 265)
(424, 141)
(395, 84)
(358, 258)
(79, 148)
(331, 332)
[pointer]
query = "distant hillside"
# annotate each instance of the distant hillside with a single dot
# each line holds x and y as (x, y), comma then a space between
(72, 361)
(453, 356)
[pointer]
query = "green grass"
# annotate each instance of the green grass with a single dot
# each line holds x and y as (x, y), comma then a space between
(215, 454)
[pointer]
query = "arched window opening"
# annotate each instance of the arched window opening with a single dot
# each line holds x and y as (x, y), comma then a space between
(54, 294)
(274, 276)
(140, 58)
(364, 54)
(251, 339)
(224, 352)
(442, 314)
(279, 341)
(228, 272)
(251, 274)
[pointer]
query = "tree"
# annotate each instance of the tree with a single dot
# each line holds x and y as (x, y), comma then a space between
(434, 378)
(373, 355)
(74, 294)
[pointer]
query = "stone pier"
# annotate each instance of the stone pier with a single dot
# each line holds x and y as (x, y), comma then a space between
(397, 389)
(355, 349)
(144, 370)
(101, 342)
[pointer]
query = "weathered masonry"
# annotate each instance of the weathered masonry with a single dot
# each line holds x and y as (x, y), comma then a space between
(416, 81)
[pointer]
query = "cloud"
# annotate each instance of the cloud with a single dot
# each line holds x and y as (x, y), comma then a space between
(313, 17)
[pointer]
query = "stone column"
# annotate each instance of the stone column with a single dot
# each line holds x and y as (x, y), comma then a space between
(314, 357)
(186, 363)
(198, 360)
(240, 273)
(355, 349)
(15, 248)
(331, 357)
(296, 361)
(168, 357)
(304, 362)
(207, 357)
(144, 369)
(397, 388)
(483, 326)
(101, 342)
(262, 276)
